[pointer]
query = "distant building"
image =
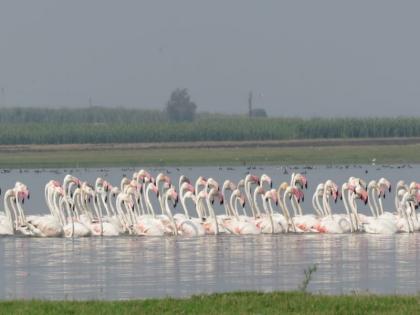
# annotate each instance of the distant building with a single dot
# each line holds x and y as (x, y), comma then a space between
(258, 112)
(255, 112)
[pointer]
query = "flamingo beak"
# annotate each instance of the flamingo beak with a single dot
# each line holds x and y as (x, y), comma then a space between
(271, 184)
(106, 198)
(306, 185)
(389, 189)
(29, 196)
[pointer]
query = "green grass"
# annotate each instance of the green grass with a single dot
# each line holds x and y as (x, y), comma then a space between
(228, 303)
(348, 154)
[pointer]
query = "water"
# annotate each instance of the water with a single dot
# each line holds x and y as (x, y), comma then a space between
(128, 267)
(139, 267)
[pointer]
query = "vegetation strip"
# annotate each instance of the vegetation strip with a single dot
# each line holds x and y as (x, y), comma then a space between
(119, 125)
(62, 156)
(228, 303)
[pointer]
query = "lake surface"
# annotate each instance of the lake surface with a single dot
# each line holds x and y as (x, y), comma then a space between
(139, 267)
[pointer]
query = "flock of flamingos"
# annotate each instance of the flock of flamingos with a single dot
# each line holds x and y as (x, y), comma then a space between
(252, 206)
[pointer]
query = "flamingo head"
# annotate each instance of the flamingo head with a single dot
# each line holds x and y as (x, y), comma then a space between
(201, 181)
(253, 179)
(384, 185)
(238, 194)
(294, 192)
(333, 187)
(228, 185)
(172, 195)
(142, 175)
(107, 186)
(273, 196)
(361, 193)
(21, 192)
(259, 190)
(184, 179)
(301, 180)
(266, 179)
(213, 184)
(154, 188)
(214, 193)
(187, 187)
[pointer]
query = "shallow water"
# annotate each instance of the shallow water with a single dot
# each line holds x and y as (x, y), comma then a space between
(123, 268)
(138, 267)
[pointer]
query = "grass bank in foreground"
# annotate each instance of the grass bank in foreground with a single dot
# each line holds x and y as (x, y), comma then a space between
(232, 153)
(229, 303)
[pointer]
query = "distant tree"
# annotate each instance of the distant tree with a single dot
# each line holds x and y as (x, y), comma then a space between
(180, 107)
(254, 112)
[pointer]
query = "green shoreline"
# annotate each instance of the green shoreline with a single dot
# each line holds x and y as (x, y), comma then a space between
(228, 303)
(62, 156)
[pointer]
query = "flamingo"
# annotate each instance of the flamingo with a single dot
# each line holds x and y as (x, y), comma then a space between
(234, 224)
(372, 225)
(146, 224)
(8, 224)
(186, 225)
(332, 223)
(303, 222)
(49, 225)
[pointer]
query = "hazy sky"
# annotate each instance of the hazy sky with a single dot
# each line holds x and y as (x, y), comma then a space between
(311, 58)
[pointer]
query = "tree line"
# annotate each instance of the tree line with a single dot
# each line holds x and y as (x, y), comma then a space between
(205, 128)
